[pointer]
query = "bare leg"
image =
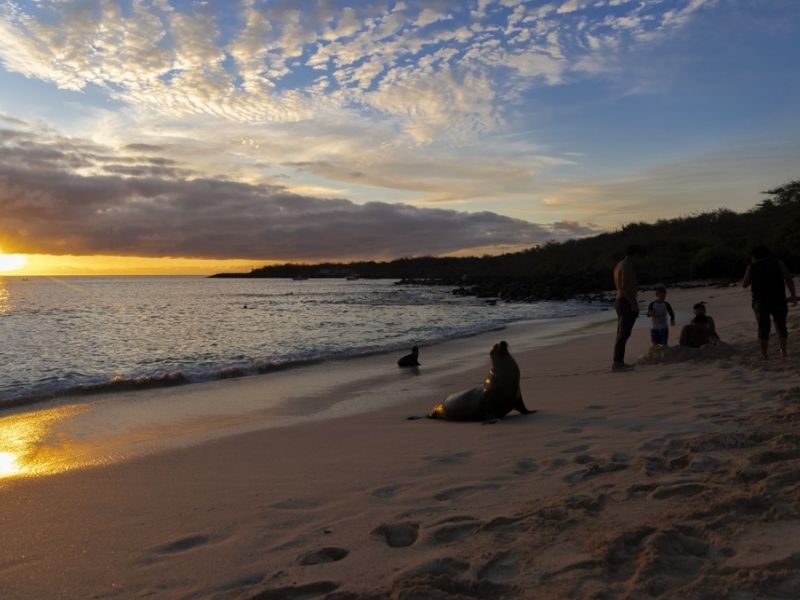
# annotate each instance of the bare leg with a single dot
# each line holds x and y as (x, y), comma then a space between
(783, 346)
(764, 349)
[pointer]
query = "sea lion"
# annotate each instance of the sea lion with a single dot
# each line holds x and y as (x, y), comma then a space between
(410, 360)
(495, 398)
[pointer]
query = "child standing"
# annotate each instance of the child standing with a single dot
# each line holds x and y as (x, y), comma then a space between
(660, 311)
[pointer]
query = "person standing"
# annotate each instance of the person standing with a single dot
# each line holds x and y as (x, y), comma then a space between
(767, 276)
(662, 315)
(626, 304)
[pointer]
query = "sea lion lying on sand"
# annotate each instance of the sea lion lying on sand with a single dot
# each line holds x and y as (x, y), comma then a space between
(495, 398)
(410, 360)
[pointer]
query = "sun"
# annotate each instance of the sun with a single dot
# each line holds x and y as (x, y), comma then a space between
(12, 262)
(8, 464)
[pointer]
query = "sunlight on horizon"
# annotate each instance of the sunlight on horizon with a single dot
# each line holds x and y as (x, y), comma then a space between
(63, 265)
(12, 262)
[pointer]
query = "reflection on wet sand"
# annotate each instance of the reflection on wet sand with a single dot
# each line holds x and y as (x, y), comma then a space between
(29, 446)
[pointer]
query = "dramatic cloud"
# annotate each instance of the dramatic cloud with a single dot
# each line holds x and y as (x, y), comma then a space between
(433, 68)
(60, 195)
(333, 129)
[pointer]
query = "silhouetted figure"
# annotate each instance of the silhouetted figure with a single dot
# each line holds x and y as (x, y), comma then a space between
(410, 360)
(626, 303)
(767, 276)
(700, 310)
(698, 333)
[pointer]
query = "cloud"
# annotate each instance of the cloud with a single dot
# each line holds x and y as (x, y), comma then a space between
(60, 195)
(275, 63)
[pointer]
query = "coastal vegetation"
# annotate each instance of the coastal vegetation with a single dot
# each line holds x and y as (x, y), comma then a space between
(710, 245)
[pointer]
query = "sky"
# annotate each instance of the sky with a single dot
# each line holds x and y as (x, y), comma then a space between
(177, 136)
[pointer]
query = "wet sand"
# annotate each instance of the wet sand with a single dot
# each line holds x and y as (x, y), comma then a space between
(680, 479)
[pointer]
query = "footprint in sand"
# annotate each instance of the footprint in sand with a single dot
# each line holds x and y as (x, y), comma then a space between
(239, 583)
(575, 449)
(444, 577)
(387, 491)
(639, 491)
(464, 490)
(298, 592)
(556, 464)
(652, 445)
(594, 470)
(448, 459)
(397, 535)
(525, 466)
(323, 555)
(501, 567)
(439, 566)
(453, 529)
(297, 504)
(182, 544)
(678, 489)
(591, 504)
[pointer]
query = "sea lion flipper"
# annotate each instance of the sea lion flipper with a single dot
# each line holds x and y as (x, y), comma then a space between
(437, 412)
(519, 406)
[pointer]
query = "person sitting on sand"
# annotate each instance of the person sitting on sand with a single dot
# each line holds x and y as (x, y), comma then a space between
(700, 310)
(410, 360)
(697, 333)
(661, 313)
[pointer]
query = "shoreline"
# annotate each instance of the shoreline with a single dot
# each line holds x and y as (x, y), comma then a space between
(674, 479)
(164, 365)
(103, 428)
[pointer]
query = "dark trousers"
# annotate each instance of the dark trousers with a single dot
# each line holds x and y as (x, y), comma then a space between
(625, 320)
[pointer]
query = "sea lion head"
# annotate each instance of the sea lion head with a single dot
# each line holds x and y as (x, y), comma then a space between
(500, 349)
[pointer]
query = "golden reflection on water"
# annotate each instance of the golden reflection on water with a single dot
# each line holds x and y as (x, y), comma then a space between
(30, 444)
(5, 304)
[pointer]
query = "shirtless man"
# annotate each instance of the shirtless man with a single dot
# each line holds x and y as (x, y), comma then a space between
(767, 275)
(626, 304)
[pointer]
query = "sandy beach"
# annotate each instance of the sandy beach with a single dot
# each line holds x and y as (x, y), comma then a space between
(679, 479)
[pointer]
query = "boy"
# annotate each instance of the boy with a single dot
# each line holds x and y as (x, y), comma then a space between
(658, 311)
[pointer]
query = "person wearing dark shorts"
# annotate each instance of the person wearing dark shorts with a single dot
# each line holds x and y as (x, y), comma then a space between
(766, 277)
(626, 303)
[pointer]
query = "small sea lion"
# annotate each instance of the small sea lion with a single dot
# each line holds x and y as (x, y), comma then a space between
(410, 360)
(495, 398)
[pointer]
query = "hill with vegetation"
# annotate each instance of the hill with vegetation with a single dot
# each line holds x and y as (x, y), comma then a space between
(711, 245)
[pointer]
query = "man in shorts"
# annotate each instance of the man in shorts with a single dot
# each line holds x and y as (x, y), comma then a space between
(626, 303)
(766, 277)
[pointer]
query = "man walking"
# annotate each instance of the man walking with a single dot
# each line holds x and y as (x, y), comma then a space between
(767, 276)
(626, 303)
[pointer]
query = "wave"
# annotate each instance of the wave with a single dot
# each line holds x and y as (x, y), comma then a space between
(60, 389)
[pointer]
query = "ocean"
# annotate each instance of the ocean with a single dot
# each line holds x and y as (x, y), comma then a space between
(81, 335)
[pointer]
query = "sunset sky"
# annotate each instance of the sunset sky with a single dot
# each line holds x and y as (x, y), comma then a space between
(224, 135)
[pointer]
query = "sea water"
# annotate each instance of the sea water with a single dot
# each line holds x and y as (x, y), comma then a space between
(77, 335)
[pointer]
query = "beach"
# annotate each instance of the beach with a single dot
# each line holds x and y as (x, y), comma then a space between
(679, 479)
